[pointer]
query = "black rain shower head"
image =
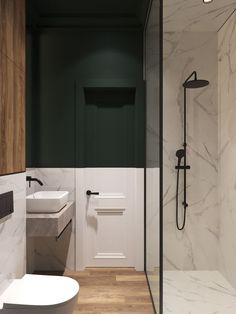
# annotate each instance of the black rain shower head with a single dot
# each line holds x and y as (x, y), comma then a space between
(196, 84)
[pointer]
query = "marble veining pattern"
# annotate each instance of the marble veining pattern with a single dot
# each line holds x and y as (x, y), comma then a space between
(196, 248)
(227, 148)
(49, 224)
(193, 15)
(13, 230)
(195, 292)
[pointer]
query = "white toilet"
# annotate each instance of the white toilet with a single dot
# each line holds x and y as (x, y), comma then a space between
(37, 294)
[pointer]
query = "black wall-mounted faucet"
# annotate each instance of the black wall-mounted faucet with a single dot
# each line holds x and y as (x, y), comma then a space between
(30, 179)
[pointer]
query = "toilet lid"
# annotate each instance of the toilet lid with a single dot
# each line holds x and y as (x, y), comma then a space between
(38, 290)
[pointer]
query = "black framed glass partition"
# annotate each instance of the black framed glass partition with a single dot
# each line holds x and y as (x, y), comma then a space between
(153, 177)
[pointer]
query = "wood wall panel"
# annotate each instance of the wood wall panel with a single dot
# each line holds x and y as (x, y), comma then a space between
(12, 30)
(19, 162)
(12, 117)
(12, 86)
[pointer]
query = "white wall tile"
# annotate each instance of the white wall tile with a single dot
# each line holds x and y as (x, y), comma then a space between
(13, 229)
(197, 246)
(227, 148)
(193, 15)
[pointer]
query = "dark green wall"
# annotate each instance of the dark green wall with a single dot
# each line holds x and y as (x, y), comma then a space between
(63, 128)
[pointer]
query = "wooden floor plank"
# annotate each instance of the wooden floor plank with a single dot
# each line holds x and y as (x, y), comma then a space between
(116, 308)
(133, 278)
(111, 291)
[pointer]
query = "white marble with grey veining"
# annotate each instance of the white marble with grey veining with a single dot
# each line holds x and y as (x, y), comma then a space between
(198, 292)
(49, 224)
(195, 248)
(195, 16)
(13, 230)
(227, 148)
(30, 188)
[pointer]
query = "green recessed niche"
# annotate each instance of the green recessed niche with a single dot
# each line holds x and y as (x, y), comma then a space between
(109, 96)
(111, 120)
(109, 127)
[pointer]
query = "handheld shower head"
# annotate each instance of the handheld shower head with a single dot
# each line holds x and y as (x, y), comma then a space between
(180, 154)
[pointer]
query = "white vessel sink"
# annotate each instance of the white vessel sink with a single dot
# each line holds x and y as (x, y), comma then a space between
(46, 201)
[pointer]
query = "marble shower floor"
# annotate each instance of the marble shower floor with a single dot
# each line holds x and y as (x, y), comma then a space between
(198, 292)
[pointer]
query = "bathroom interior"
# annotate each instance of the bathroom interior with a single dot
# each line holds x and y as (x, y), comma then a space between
(118, 134)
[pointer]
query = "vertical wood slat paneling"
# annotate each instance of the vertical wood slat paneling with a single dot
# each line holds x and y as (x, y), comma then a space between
(12, 31)
(12, 86)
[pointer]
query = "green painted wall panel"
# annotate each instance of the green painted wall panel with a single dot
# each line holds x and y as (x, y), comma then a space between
(64, 129)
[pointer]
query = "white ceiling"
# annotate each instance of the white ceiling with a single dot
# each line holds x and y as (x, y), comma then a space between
(194, 15)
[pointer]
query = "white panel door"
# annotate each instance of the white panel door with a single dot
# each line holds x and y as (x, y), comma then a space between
(111, 223)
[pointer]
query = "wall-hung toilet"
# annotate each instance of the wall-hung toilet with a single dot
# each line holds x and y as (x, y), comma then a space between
(37, 294)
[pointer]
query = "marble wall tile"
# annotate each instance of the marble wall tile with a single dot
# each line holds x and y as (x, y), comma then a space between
(13, 230)
(197, 246)
(194, 16)
(53, 254)
(227, 147)
(30, 188)
(30, 241)
(56, 179)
